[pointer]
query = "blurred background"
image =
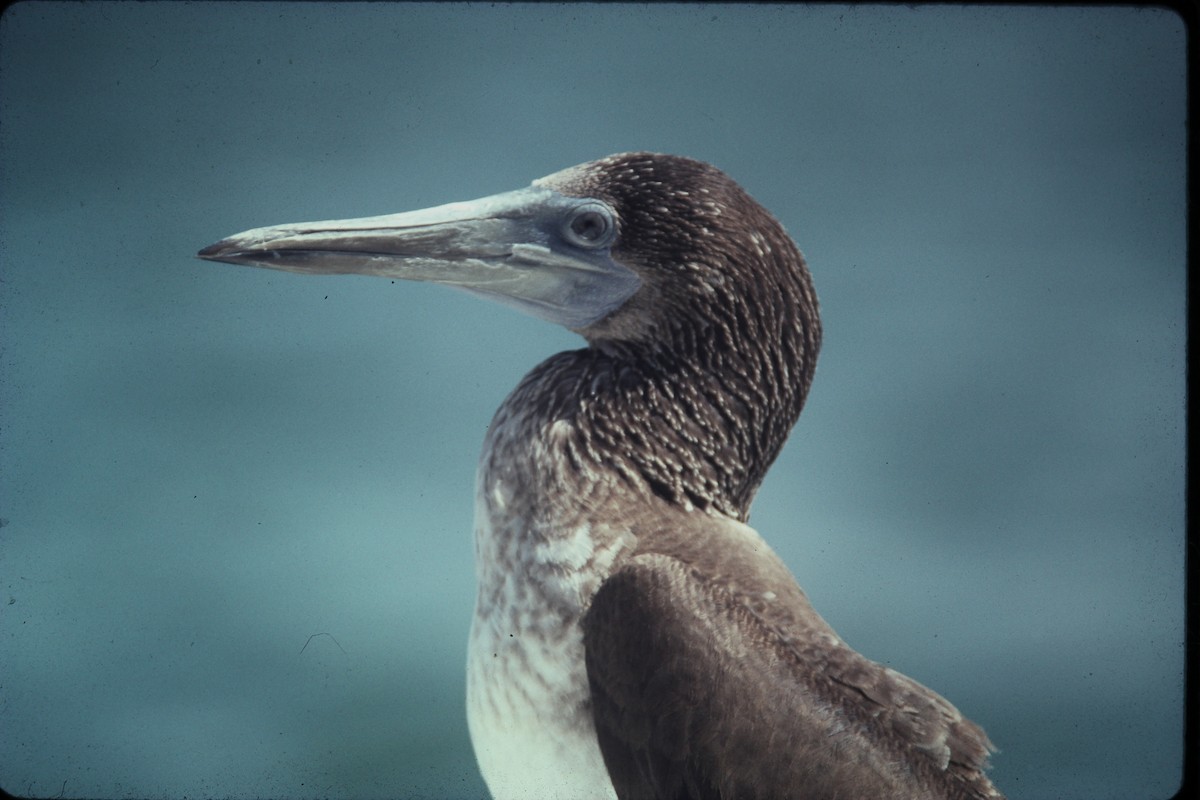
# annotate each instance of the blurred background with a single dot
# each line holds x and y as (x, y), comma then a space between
(236, 554)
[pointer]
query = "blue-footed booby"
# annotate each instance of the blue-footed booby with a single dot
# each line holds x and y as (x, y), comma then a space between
(633, 636)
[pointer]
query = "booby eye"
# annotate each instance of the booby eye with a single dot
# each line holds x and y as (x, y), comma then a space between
(590, 225)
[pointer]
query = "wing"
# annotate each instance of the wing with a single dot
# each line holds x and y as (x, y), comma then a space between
(700, 690)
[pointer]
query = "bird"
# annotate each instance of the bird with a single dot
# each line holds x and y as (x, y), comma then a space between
(633, 636)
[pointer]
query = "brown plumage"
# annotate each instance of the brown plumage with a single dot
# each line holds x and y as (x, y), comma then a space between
(633, 636)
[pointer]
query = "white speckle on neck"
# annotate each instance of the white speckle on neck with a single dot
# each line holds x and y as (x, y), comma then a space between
(499, 496)
(571, 551)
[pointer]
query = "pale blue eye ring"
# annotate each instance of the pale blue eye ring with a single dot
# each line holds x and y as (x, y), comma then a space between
(590, 225)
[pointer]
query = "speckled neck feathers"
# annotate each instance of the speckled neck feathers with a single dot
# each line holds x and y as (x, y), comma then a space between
(692, 387)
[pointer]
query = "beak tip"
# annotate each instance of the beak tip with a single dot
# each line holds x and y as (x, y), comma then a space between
(212, 251)
(223, 250)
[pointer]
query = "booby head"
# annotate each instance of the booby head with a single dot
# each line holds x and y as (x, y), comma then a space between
(657, 259)
(625, 248)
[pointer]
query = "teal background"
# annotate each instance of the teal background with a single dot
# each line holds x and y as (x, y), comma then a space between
(237, 557)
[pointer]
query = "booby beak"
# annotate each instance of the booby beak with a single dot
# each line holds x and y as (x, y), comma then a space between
(543, 252)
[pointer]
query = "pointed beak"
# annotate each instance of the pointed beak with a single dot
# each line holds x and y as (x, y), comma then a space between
(543, 252)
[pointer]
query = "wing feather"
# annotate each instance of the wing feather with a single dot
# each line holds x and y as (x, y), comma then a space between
(701, 690)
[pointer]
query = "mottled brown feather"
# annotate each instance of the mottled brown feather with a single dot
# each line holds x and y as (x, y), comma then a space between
(702, 688)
